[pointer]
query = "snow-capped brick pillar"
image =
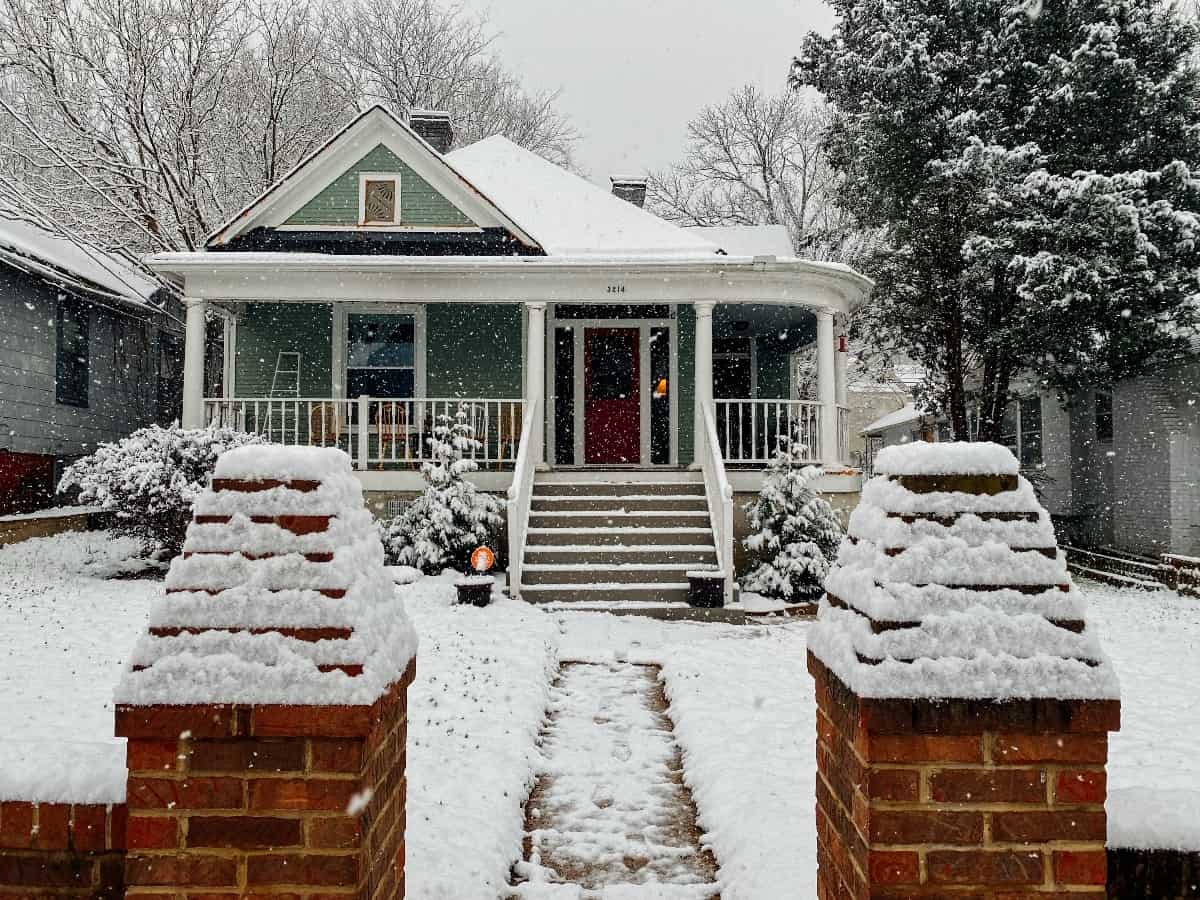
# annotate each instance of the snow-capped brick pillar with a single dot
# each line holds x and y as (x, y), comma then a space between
(265, 709)
(963, 703)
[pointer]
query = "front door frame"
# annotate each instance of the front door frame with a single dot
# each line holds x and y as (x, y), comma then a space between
(643, 325)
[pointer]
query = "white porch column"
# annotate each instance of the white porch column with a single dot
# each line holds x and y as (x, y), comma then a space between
(193, 364)
(535, 368)
(704, 373)
(826, 387)
(839, 362)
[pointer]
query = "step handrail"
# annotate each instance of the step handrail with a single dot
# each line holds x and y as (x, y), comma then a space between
(720, 495)
(520, 493)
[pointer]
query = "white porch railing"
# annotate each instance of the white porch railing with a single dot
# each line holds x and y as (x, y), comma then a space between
(748, 430)
(719, 493)
(375, 431)
(520, 493)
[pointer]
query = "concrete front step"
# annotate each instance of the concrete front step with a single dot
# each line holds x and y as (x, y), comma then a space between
(591, 489)
(617, 536)
(698, 555)
(625, 593)
(619, 518)
(631, 503)
(626, 573)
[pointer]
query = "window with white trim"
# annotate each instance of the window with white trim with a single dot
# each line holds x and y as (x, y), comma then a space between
(379, 199)
(381, 359)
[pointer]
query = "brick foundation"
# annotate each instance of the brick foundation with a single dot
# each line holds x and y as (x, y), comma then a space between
(267, 800)
(61, 850)
(948, 799)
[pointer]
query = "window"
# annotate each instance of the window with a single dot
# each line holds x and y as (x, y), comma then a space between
(71, 356)
(379, 199)
(1104, 417)
(380, 355)
(733, 368)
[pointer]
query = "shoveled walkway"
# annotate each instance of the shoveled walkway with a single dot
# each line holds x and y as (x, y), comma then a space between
(610, 816)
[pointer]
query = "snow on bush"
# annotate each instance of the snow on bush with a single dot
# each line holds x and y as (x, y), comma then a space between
(150, 479)
(794, 531)
(451, 517)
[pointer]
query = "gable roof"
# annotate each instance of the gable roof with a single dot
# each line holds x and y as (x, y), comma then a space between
(71, 263)
(566, 214)
(377, 125)
(902, 416)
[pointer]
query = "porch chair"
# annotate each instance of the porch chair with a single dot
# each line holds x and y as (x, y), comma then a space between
(324, 424)
(392, 426)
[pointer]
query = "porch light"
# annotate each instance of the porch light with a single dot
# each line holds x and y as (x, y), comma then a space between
(660, 389)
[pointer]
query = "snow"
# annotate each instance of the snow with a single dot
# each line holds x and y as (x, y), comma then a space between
(946, 458)
(566, 214)
(902, 416)
(748, 240)
(741, 700)
(261, 580)
(35, 249)
(53, 512)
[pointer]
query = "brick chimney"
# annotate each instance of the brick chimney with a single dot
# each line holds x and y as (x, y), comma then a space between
(434, 126)
(631, 189)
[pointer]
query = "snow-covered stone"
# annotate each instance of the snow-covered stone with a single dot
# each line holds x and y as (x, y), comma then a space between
(281, 595)
(954, 594)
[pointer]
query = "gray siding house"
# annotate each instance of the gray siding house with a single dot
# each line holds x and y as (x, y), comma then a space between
(88, 353)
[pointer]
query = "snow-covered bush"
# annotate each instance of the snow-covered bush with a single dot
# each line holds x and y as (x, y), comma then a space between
(150, 479)
(450, 518)
(794, 532)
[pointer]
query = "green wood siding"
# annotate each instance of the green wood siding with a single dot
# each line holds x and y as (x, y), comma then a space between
(265, 329)
(420, 204)
(473, 350)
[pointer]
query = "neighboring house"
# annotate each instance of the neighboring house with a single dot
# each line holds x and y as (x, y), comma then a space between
(88, 353)
(1118, 468)
(599, 350)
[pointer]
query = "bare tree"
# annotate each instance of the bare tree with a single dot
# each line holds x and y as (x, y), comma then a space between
(426, 54)
(142, 124)
(758, 159)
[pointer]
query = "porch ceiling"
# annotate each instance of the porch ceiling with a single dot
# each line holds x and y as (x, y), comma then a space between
(298, 277)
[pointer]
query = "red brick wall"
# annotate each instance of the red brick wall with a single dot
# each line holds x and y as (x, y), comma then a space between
(61, 850)
(256, 799)
(1003, 801)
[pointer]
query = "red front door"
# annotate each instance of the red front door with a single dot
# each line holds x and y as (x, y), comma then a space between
(612, 408)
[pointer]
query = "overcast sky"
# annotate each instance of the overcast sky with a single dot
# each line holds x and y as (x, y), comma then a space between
(633, 72)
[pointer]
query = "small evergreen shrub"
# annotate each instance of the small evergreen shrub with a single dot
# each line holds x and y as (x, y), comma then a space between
(451, 517)
(150, 479)
(793, 531)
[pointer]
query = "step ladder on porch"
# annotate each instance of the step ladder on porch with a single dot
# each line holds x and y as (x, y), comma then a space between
(616, 537)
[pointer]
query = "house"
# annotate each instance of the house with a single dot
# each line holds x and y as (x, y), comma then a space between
(625, 376)
(89, 352)
(1118, 467)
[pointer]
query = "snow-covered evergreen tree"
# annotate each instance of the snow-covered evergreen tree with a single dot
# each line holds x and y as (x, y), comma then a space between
(451, 518)
(793, 530)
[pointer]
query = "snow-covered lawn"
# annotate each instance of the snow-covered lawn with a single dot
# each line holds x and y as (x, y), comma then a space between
(740, 698)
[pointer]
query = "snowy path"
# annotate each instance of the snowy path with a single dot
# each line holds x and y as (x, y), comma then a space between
(610, 815)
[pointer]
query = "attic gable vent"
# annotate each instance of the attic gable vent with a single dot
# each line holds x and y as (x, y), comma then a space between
(379, 199)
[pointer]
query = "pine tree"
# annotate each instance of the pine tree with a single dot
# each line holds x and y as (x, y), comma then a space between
(1034, 165)
(451, 517)
(793, 530)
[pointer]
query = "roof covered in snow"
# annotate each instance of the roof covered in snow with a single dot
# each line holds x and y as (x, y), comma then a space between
(902, 416)
(70, 262)
(566, 214)
(748, 240)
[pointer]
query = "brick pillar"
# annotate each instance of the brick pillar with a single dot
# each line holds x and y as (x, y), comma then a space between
(62, 850)
(919, 795)
(960, 750)
(267, 799)
(265, 709)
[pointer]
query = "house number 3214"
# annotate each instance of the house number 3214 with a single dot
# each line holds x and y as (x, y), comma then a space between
(616, 289)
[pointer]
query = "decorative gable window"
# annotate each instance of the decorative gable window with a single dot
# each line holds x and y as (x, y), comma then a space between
(379, 199)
